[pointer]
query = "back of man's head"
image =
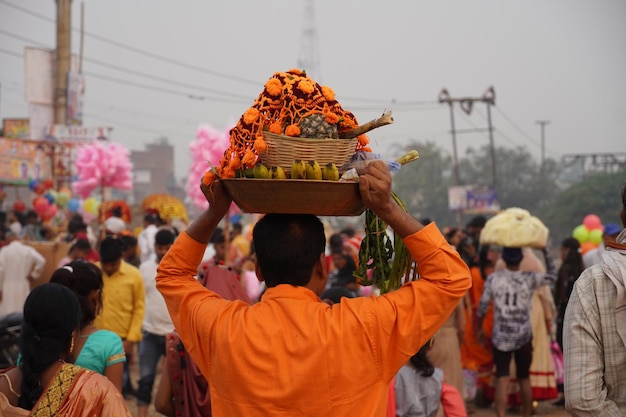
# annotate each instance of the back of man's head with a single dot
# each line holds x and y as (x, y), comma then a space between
(512, 257)
(287, 247)
(164, 237)
(111, 249)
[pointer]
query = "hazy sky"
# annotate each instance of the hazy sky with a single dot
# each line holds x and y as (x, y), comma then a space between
(562, 61)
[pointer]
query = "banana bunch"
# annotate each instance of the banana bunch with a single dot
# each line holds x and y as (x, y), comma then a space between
(299, 170)
(311, 170)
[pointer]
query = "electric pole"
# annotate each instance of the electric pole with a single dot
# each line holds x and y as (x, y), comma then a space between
(466, 104)
(63, 56)
(543, 124)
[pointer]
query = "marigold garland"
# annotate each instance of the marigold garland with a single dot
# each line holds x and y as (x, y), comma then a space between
(287, 98)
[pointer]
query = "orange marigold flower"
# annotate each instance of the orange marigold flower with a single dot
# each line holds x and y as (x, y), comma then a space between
(259, 144)
(295, 71)
(306, 86)
(208, 178)
(251, 115)
(276, 128)
(235, 162)
(228, 172)
(332, 118)
(328, 93)
(367, 149)
(273, 87)
(292, 130)
(249, 158)
(363, 140)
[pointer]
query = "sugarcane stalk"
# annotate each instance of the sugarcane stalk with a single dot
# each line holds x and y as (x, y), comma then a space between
(385, 119)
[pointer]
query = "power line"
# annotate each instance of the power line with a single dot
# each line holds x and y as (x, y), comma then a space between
(178, 62)
(128, 70)
(134, 49)
(145, 86)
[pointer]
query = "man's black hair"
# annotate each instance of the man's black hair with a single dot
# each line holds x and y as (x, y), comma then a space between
(164, 237)
(111, 249)
(287, 247)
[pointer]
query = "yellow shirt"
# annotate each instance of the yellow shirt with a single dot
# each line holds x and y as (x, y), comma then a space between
(123, 299)
(291, 354)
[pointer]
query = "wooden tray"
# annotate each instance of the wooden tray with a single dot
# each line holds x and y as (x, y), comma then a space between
(321, 198)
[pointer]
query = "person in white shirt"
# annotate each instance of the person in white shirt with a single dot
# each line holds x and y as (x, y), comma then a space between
(20, 264)
(145, 240)
(594, 256)
(156, 323)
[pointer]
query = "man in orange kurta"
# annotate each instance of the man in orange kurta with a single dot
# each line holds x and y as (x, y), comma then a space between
(291, 354)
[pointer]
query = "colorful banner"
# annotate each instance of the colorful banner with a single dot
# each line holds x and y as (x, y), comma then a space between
(473, 199)
(21, 161)
(16, 128)
(77, 134)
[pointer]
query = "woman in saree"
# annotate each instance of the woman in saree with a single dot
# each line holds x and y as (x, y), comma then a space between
(96, 349)
(45, 384)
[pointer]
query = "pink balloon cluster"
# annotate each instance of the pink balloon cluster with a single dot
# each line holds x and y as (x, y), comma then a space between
(208, 147)
(102, 165)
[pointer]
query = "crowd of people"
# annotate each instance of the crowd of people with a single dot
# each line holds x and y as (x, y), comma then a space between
(269, 319)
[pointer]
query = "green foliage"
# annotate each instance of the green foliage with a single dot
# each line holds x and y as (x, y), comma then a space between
(423, 184)
(520, 182)
(596, 194)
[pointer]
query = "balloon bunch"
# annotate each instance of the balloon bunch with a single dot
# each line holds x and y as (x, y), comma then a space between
(40, 187)
(589, 233)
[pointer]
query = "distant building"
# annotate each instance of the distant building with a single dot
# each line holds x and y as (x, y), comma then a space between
(153, 171)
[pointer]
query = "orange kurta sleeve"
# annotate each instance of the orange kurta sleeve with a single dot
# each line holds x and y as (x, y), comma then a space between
(408, 317)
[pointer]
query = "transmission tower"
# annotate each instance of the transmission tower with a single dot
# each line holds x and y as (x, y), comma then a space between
(309, 58)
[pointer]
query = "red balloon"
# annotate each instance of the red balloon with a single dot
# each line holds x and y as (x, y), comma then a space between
(39, 189)
(19, 206)
(48, 184)
(40, 205)
(592, 221)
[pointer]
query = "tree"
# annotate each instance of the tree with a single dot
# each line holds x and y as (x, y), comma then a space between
(520, 180)
(597, 194)
(423, 184)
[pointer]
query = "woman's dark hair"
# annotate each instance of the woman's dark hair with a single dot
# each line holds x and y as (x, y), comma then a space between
(51, 315)
(573, 257)
(287, 247)
(83, 278)
(421, 363)
(483, 261)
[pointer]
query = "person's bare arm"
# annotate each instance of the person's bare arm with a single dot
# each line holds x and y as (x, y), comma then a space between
(219, 203)
(115, 374)
(163, 402)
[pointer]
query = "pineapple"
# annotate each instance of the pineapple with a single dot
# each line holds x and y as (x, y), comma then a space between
(315, 126)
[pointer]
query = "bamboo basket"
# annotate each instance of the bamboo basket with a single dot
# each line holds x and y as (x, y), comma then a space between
(283, 150)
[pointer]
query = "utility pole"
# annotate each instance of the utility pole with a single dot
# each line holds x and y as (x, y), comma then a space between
(466, 104)
(543, 124)
(63, 55)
